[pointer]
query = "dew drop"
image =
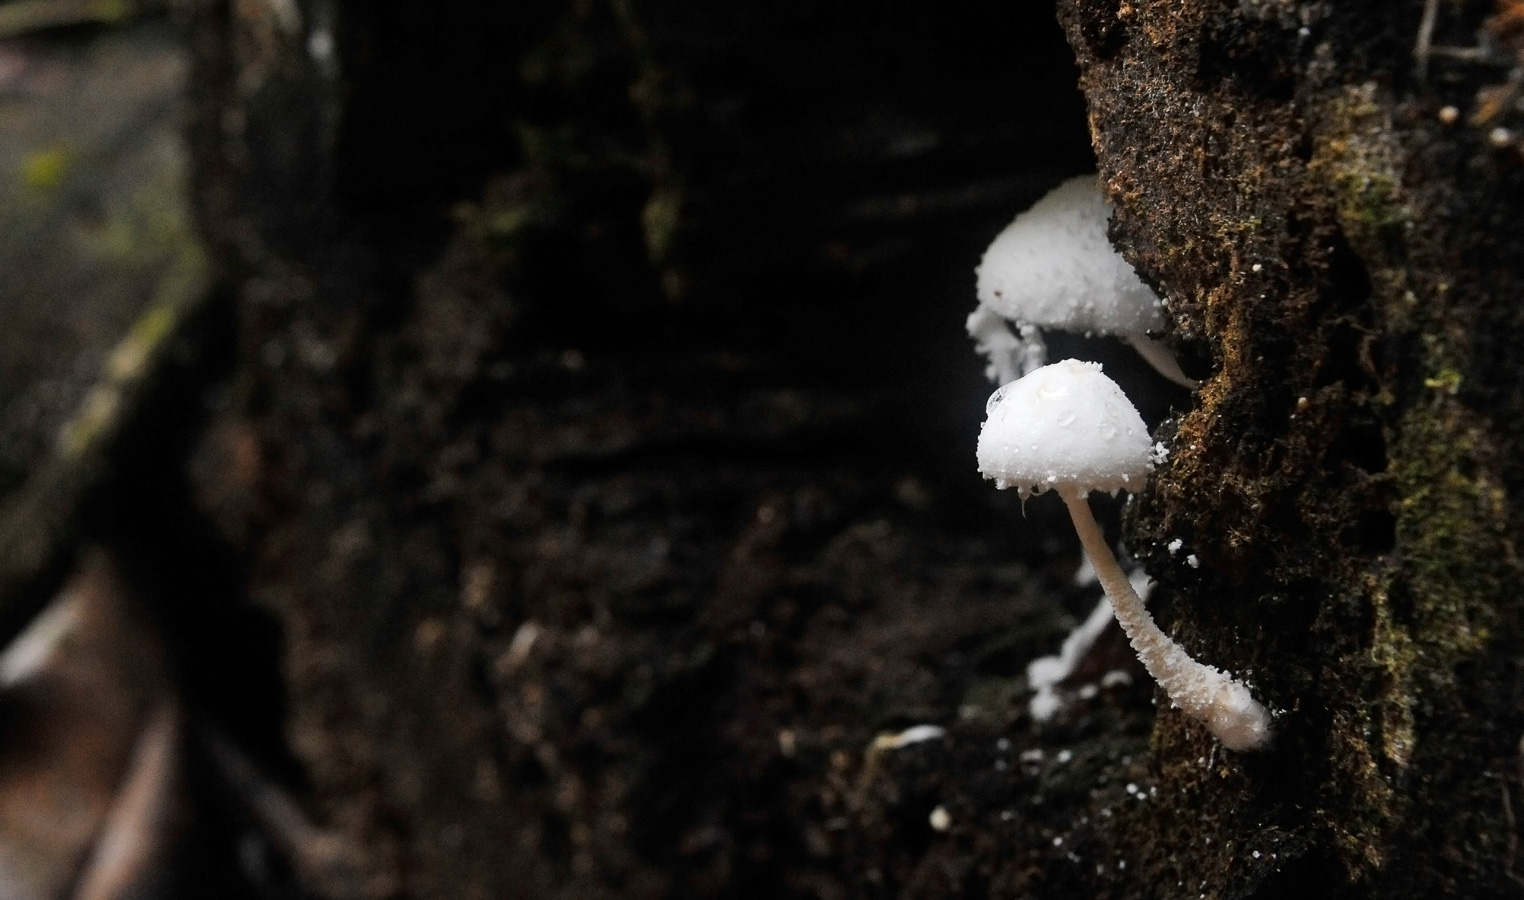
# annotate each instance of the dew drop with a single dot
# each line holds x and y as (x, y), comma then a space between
(1066, 418)
(994, 400)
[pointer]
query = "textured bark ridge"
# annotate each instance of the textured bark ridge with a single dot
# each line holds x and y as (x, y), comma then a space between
(1340, 270)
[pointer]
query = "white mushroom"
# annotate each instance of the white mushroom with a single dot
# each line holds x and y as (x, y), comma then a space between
(1053, 267)
(1070, 428)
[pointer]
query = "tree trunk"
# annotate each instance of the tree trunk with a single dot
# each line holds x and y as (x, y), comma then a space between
(1343, 272)
(602, 437)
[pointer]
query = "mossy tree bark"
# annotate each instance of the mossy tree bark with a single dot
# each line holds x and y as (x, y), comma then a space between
(1338, 258)
(602, 438)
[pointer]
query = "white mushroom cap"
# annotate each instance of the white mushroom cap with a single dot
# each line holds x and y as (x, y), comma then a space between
(1053, 267)
(1064, 425)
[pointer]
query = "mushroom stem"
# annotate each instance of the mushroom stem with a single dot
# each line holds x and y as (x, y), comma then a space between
(1204, 693)
(1153, 645)
(1158, 355)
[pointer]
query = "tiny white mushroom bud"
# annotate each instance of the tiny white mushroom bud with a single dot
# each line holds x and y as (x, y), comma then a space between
(1103, 445)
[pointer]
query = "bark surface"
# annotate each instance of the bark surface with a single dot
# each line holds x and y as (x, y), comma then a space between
(602, 437)
(1340, 274)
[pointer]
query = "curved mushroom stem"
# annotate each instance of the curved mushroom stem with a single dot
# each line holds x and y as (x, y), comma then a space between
(1158, 355)
(1204, 693)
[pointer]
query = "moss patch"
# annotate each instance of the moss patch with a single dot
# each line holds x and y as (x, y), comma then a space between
(1346, 490)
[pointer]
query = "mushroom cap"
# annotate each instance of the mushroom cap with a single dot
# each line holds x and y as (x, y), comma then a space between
(1064, 425)
(1054, 267)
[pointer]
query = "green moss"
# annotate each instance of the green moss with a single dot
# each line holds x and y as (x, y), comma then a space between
(182, 286)
(659, 221)
(1451, 531)
(1432, 606)
(1447, 380)
(21, 17)
(1373, 200)
(1451, 541)
(1366, 803)
(1356, 159)
(557, 148)
(45, 170)
(112, 11)
(1393, 652)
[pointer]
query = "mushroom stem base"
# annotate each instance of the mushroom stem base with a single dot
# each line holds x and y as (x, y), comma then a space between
(1205, 693)
(1156, 354)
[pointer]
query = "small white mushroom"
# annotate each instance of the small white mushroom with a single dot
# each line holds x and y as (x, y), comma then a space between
(1053, 267)
(1070, 428)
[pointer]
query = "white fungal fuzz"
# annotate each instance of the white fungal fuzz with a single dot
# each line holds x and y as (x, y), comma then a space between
(1084, 576)
(1010, 356)
(913, 735)
(1046, 673)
